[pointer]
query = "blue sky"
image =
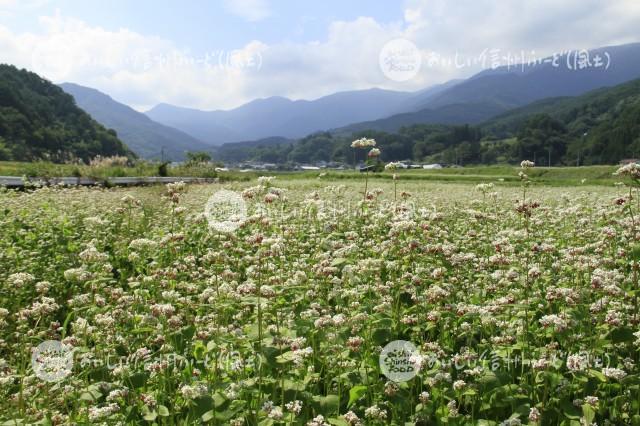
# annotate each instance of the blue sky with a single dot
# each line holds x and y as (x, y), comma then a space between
(219, 54)
(209, 25)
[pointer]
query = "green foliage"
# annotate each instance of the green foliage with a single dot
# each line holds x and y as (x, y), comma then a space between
(5, 152)
(551, 132)
(600, 127)
(410, 143)
(39, 121)
(541, 135)
(198, 157)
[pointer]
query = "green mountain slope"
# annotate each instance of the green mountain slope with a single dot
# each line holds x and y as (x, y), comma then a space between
(38, 120)
(471, 113)
(602, 126)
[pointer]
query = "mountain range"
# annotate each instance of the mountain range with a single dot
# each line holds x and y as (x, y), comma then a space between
(472, 101)
(144, 136)
(482, 96)
(495, 91)
(599, 127)
(278, 116)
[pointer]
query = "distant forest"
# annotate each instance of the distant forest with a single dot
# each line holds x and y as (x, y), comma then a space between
(601, 127)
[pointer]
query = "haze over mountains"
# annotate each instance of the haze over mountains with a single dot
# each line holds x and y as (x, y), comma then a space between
(144, 136)
(472, 101)
(492, 92)
(599, 127)
(278, 116)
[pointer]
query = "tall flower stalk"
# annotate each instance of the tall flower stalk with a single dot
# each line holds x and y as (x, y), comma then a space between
(632, 171)
(393, 166)
(524, 208)
(372, 156)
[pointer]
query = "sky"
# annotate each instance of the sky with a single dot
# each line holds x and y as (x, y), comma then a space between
(219, 54)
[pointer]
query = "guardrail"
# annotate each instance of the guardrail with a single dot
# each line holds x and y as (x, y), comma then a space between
(21, 182)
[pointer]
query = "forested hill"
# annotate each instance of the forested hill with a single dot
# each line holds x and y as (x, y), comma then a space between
(38, 120)
(600, 127)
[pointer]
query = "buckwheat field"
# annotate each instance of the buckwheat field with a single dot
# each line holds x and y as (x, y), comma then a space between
(520, 301)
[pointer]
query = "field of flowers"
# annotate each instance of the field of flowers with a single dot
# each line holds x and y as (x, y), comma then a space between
(521, 302)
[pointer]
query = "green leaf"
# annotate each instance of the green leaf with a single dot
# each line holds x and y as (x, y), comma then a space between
(337, 421)
(208, 416)
(211, 345)
(598, 375)
(569, 410)
(137, 380)
(355, 393)
(150, 415)
(219, 400)
(588, 413)
(203, 404)
(338, 262)
(621, 334)
(327, 404)
(91, 394)
(86, 396)
(163, 411)
(489, 381)
(293, 385)
(199, 349)
(381, 336)
(634, 253)
(285, 357)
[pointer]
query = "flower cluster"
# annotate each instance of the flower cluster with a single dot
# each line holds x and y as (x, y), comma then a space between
(631, 170)
(363, 143)
(521, 304)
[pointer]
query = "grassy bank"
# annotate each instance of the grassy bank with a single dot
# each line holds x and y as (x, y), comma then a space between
(557, 176)
(142, 169)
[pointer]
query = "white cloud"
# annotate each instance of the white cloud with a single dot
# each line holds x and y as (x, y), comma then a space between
(143, 70)
(544, 25)
(249, 10)
(9, 8)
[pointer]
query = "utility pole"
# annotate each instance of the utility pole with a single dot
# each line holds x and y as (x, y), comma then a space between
(584, 136)
(549, 156)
